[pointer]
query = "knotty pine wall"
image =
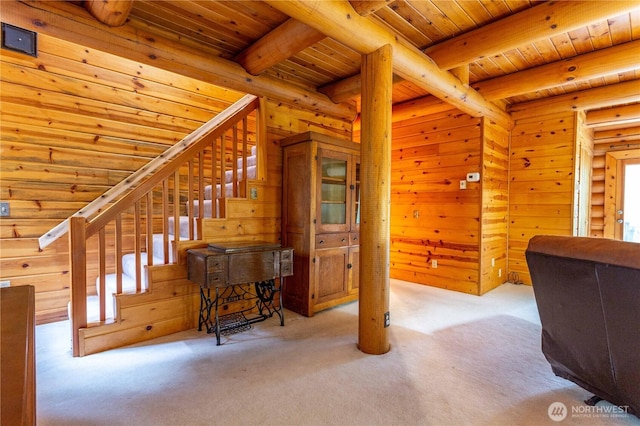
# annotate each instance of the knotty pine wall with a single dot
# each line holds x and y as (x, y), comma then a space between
(543, 197)
(432, 219)
(75, 122)
(495, 206)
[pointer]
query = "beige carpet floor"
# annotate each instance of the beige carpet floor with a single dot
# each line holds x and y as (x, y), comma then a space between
(455, 359)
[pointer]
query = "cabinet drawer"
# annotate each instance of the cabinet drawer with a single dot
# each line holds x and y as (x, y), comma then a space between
(354, 239)
(215, 263)
(216, 279)
(332, 240)
(286, 269)
(286, 256)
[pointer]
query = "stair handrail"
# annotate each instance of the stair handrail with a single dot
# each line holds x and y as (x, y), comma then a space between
(173, 155)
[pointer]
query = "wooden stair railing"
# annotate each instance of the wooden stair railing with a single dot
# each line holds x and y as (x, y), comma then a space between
(158, 204)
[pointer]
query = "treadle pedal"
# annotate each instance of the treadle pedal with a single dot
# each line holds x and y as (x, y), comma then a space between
(593, 400)
(233, 323)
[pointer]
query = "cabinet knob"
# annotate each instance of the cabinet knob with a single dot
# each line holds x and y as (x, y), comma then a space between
(343, 240)
(349, 266)
(321, 242)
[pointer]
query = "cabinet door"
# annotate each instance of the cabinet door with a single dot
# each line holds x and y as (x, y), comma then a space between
(334, 191)
(331, 274)
(354, 269)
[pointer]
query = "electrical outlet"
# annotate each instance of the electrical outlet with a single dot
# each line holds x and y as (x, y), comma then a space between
(434, 263)
(416, 214)
(4, 209)
(463, 184)
(6, 283)
(387, 320)
(254, 193)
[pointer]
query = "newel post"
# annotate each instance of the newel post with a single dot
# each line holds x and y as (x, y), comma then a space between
(78, 270)
(375, 163)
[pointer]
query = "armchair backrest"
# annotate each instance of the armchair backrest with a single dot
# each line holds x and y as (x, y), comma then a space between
(588, 295)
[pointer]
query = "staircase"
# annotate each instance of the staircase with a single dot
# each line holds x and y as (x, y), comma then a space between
(148, 219)
(211, 209)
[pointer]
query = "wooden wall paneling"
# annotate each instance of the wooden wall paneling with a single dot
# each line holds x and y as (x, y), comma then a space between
(87, 95)
(494, 206)
(431, 218)
(541, 184)
(25, 132)
(75, 122)
(122, 75)
(286, 121)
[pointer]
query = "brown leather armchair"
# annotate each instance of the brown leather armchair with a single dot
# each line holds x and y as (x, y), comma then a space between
(588, 295)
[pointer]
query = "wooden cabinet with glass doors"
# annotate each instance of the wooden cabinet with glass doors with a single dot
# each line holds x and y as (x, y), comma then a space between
(321, 220)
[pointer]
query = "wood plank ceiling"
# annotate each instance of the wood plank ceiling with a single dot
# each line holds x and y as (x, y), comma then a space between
(508, 51)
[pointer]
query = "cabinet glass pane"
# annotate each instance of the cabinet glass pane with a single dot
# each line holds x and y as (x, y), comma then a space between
(334, 191)
(334, 169)
(333, 213)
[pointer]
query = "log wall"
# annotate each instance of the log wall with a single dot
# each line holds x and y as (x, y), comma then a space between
(616, 144)
(75, 122)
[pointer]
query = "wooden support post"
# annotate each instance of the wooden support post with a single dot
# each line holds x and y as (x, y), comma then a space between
(78, 268)
(261, 139)
(375, 157)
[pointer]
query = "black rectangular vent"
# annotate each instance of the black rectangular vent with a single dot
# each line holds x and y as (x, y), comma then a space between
(19, 40)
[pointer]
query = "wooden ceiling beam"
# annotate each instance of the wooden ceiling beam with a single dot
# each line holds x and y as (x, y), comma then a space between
(600, 97)
(290, 38)
(283, 42)
(74, 24)
(366, 36)
(601, 63)
(110, 12)
(545, 20)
